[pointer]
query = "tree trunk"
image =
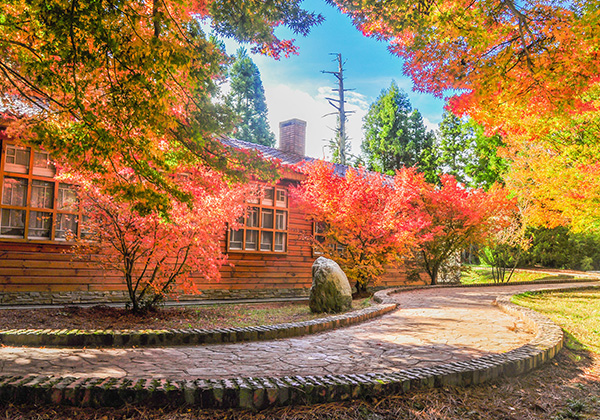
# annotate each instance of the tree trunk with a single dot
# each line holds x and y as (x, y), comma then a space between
(434, 274)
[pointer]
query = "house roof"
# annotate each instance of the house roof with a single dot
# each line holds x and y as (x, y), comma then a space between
(19, 108)
(271, 153)
(15, 107)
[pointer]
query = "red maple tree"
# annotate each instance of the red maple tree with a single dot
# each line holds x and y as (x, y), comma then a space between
(159, 253)
(457, 216)
(367, 218)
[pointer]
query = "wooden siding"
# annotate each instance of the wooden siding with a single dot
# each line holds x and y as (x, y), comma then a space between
(50, 267)
(274, 270)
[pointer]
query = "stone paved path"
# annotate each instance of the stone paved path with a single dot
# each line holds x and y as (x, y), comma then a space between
(432, 326)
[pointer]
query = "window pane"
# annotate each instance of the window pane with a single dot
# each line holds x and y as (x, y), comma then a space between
(281, 198)
(42, 164)
(268, 196)
(41, 159)
(40, 225)
(67, 197)
(236, 239)
(281, 220)
(17, 159)
(14, 191)
(280, 238)
(267, 218)
(266, 241)
(66, 226)
(12, 223)
(85, 227)
(251, 240)
(42, 194)
(252, 217)
(319, 227)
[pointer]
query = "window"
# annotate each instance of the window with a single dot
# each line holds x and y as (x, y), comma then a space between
(320, 245)
(319, 237)
(265, 224)
(17, 159)
(34, 206)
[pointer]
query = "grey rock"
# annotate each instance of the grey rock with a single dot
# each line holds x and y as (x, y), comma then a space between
(330, 291)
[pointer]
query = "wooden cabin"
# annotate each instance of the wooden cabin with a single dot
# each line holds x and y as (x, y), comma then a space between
(270, 257)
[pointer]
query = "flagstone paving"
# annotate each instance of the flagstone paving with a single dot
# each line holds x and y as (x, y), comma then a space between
(431, 327)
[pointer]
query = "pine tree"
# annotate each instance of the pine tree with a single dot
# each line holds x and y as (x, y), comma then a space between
(247, 101)
(424, 150)
(335, 146)
(395, 135)
(455, 146)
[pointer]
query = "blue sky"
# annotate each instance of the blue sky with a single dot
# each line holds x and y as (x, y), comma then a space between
(296, 88)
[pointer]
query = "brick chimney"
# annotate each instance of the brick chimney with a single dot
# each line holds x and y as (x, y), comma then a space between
(292, 136)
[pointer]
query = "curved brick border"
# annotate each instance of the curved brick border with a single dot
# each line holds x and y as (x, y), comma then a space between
(185, 337)
(259, 393)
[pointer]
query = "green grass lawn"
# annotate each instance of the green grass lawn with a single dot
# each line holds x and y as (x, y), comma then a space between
(482, 275)
(577, 312)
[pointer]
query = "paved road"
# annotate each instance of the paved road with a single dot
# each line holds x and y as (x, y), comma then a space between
(432, 326)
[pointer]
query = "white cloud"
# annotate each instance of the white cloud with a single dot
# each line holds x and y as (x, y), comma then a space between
(286, 102)
(429, 124)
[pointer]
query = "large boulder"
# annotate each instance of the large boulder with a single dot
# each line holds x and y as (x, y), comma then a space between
(330, 290)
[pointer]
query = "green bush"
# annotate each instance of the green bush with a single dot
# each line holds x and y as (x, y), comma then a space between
(561, 248)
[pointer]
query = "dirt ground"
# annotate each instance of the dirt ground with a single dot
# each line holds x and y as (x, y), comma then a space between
(566, 388)
(107, 317)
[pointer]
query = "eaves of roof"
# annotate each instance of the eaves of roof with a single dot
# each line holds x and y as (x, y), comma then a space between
(11, 106)
(290, 160)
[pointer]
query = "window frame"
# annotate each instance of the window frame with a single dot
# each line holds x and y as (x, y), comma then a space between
(319, 235)
(34, 173)
(272, 205)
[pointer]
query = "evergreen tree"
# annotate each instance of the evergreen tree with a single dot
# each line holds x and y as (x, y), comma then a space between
(395, 135)
(456, 145)
(425, 151)
(247, 101)
(335, 145)
(468, 154)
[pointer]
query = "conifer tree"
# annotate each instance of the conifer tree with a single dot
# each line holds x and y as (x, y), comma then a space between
(395, 135)
(336, 143)
(247, 101)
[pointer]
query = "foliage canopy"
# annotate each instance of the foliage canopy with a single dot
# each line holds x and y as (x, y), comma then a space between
(109, 84)
(467, 153)
(528, 70)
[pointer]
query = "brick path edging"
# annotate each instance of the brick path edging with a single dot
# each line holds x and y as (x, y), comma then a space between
(185, 337)
(260, 393)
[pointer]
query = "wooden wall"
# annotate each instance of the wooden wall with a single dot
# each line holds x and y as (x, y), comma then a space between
(37, 267)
